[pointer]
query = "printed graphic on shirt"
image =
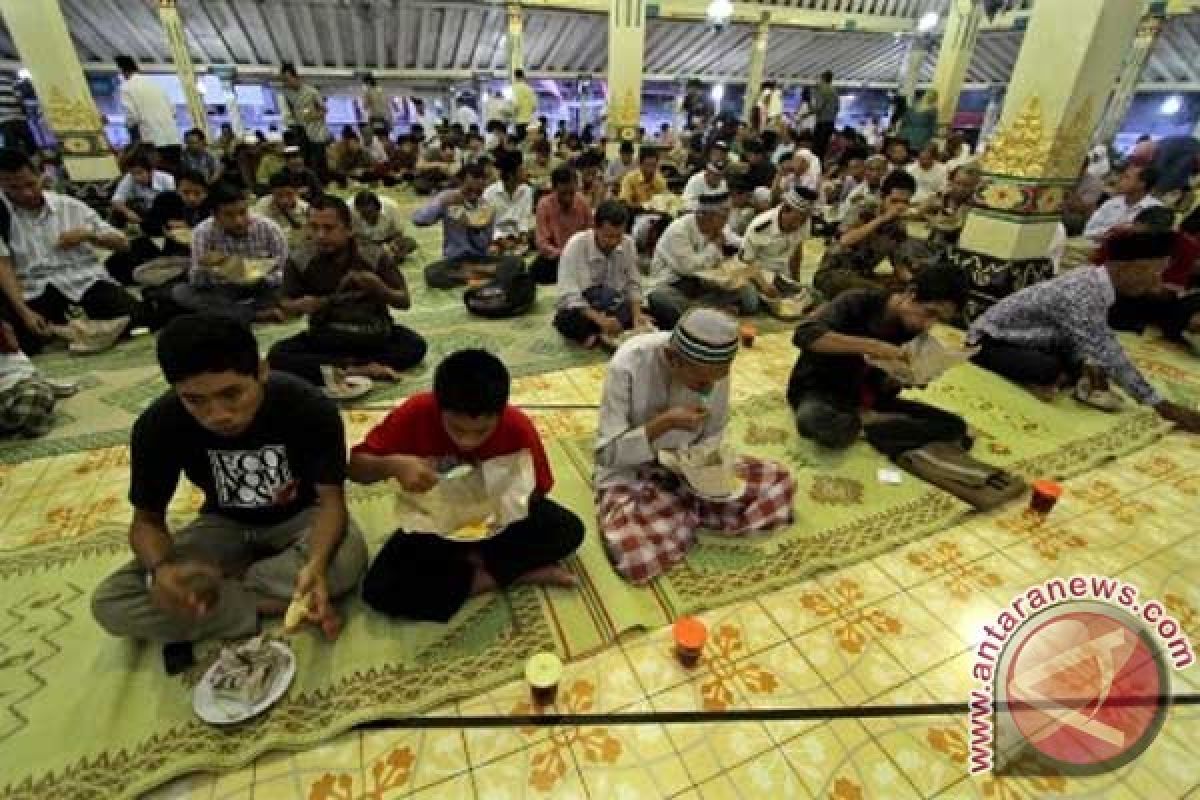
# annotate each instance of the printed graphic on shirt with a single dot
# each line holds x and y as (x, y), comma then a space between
(250, 478)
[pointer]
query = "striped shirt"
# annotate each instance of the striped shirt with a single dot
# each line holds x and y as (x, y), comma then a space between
(37, 259)
(263, 239)
(11, 105)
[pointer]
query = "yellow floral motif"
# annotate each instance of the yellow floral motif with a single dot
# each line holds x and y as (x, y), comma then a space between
(67, 114)
(722, 654)
(846, 789)
(388, 773)
(1002, 196)
(1050, 200)
(1158, 467)
(1023, 148)
(834, 490)
(1107, 497)
(1182, 610)
(951, 743)
(549, 761)
(960, 578)
(855, 623)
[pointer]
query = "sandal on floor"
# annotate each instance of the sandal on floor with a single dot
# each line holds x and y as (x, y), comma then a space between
(950, 468)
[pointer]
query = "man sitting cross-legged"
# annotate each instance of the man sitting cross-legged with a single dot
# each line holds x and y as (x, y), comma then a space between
(467, 228)
(670, 391)
(836, 394)
(465, 420)
(774, 242)
(343, 283)
(1056, 332)
(599, 289)
(268, 451)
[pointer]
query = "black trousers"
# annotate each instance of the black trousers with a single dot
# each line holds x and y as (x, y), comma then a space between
(170, 158)
(544, 270)
(1171, 313)
(102, 300)
(901, 425)
(822, 133)
(1024, 365)
(450, 273)
(301, 356)
(423, 576)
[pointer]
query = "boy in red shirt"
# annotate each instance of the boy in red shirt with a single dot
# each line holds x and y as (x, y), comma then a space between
(465, 420)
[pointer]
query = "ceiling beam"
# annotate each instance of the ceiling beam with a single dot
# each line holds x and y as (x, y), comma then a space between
(567, 37)
(135, 31)
(277, 21)
(252, 13)
(309, 37)
(335, 34)
(214, 32)
(241, 33)
(473, 49)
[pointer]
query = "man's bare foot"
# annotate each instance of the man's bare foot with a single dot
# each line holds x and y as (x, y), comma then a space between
(374, 371)
(553, 575)
(331, 624)
(270, 315)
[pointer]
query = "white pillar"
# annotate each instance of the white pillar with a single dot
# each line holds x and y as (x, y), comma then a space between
(516, 45)
(626, 41)
(963, 19)
(910, 71)
(758, 64)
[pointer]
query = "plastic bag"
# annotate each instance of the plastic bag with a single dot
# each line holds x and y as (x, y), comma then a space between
(472, 504)
(927, 360)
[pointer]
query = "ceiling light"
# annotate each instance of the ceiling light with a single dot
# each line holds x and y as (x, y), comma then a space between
(1172, 105)
(718, 92)
(720, 11)
(24, 74)
(928, 21)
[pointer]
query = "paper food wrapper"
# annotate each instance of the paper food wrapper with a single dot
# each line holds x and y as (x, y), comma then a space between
(927, 360)
(665, 204)
(708, 468)
(473, 217)
(475, 505)
(731, 274)
(243, 270)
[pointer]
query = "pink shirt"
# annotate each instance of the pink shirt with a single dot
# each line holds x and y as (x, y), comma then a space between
(555, 226)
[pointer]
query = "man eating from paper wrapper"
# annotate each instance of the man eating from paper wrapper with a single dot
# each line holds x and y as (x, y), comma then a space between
(666, 401)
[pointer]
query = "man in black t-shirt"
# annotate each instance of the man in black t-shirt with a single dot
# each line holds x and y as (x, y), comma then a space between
(268, 451)
(836, 394)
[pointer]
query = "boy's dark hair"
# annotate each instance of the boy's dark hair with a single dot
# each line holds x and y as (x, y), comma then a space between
(13, 160)
(224, 194)
(327, 202)
(195, 344)
(288, 68)
(196, 132)
(472, 382)
(474, 171)
(367, 199)
(519, 74)
(191, 176)
(897, 179)
(140, 159)
(625, 147)
(612, 212)
(126, 64)
(941, 283)
(561, 176)
(281, 180)
(647, 152)
(827, 76)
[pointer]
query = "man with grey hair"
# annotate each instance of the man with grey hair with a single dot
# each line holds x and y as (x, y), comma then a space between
(691, 244)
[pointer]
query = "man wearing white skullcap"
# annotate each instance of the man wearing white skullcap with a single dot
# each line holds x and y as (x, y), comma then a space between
(670, 391)
(775, 240)
(691, 244)
(710, 180)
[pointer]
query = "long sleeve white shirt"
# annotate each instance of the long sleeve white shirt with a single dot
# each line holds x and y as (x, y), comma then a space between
(683, 250)
(148, 108)
(637, 388)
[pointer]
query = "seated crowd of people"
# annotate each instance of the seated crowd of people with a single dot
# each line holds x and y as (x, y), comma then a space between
(631, 247)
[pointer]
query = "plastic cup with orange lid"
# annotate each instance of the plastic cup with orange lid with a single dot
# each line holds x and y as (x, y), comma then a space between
(690, 636)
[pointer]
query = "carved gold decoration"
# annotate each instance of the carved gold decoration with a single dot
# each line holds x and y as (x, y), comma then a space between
(1025, 149)
(624, 110)
(70, 114)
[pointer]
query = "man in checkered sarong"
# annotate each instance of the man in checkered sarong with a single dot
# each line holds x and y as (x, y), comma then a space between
(26, 401)
(669, 391)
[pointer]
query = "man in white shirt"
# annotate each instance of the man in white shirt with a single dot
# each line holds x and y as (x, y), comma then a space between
(929, 173)
(1133, 196)
(599, 288)
(149, 112)
(465, 115)
(426, 119)
(770, 107)
(378, 222)
(710, 180)
(47, 262)
(137, 189)
(376, 106)
(511, 198)
(497, 109)
(774, 242)
(694, 243)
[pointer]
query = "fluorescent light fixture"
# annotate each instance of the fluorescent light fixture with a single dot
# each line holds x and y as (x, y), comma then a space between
(1172, 105)
(24, 74)
(928, 21)
(720, 11)
(718, 92)
(507, 91)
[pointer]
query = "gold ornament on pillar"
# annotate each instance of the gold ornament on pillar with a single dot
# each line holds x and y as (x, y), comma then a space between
(1024, 149)
(71, 114)
(624, 111)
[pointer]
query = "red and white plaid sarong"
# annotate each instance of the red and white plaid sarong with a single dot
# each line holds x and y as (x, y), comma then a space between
(648, 528)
